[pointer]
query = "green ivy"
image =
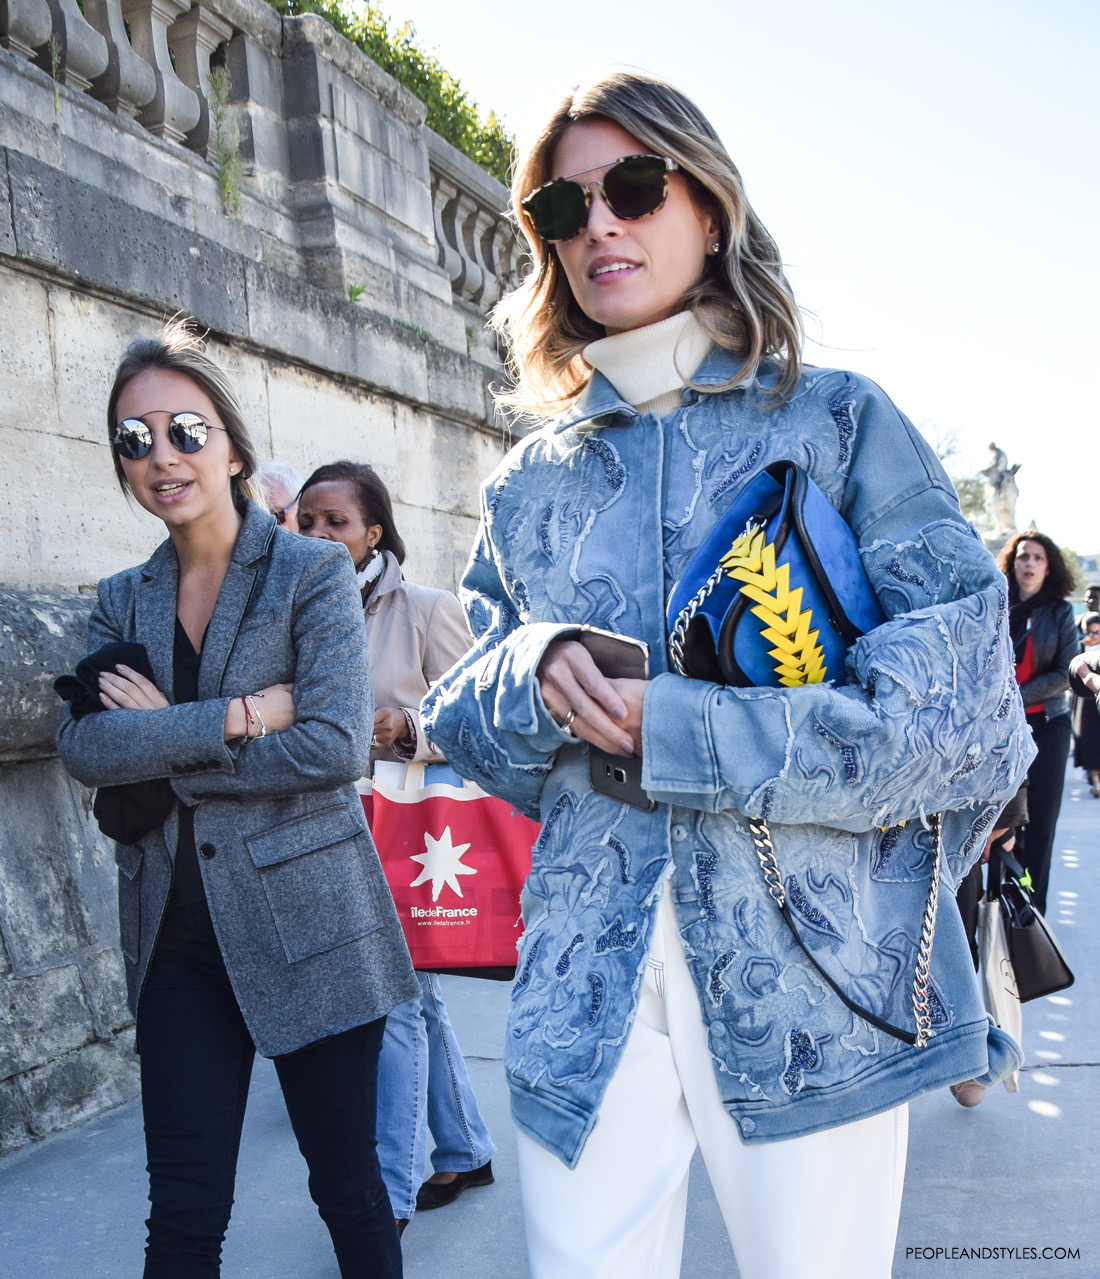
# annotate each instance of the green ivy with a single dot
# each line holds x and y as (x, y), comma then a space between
(451, 111)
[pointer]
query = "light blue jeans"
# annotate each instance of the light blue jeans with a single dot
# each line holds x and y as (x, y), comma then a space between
(423, 1084)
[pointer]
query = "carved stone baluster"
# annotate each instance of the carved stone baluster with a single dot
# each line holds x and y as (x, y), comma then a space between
(24, 25)
(486, 246)
(465, 213)
(83, 49)
(447, 255)
(174, 110)
(128, 84)
(193, 38)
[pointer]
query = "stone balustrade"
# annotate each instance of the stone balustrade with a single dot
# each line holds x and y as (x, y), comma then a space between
(323, 131)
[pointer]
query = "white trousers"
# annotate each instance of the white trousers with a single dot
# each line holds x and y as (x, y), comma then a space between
(826, 1205)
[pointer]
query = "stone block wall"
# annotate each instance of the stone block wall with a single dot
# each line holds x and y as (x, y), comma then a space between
(111, 219)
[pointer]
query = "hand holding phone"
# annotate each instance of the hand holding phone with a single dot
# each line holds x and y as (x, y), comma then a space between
(624, 662)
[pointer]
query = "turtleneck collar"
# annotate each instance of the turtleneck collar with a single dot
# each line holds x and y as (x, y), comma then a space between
(649, 366)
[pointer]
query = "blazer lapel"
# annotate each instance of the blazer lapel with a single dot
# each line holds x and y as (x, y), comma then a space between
(155, 614)
(234, 598)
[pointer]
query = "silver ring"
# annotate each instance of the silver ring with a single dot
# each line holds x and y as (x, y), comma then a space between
(373, 741)
(566, 726)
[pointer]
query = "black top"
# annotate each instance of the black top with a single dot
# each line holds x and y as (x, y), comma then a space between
(187, 886)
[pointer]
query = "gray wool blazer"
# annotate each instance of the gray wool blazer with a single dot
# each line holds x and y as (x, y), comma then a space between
(304, 919)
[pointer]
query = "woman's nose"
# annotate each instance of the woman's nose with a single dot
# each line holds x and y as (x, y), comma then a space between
(601, 219)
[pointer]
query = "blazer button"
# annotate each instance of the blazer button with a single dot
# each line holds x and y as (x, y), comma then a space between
(207, 850)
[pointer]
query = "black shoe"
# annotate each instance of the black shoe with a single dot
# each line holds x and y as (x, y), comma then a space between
(437, 1194)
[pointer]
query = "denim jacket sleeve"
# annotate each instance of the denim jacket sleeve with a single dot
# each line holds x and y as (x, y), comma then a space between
(930, 719)
(488, 717)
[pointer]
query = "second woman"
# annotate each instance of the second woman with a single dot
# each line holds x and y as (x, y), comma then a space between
(414, 634)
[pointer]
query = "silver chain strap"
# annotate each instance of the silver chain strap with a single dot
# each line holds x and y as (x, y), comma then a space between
(679, 631)
(773, 880)
(922, 1014)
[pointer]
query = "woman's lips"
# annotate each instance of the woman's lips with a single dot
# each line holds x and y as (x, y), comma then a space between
(168, 495)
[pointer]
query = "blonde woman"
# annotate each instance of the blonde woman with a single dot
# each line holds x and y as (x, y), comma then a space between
(660, 1002)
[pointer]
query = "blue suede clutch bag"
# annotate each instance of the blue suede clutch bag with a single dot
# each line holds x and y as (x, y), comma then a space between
(776, 594)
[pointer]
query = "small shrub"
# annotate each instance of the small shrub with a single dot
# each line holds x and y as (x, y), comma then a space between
(451, 111)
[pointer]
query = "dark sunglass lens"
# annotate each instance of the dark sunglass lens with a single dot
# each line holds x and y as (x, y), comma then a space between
(187, 431)
(558, 211)
(133, 439)
(635, 186)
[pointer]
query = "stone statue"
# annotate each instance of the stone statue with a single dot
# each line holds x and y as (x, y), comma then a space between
(1001, 492)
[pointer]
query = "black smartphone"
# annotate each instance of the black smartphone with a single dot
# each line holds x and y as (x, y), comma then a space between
(617, 657)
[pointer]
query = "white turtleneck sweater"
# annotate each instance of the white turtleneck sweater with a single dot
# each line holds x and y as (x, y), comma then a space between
(649, 366)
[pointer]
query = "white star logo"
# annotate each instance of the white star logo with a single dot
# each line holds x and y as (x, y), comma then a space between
(442, 863)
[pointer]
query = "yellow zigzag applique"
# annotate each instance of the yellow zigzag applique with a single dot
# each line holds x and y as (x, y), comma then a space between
(798, 657)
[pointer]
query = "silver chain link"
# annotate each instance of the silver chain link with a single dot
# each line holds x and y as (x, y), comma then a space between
(679, 631)
(922, 1014)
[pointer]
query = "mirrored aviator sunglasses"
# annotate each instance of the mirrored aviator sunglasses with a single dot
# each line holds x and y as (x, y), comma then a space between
(187, 432)
(632, 188)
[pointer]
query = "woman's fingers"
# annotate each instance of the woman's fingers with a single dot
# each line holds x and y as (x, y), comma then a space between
(572, 685)
(130, 691)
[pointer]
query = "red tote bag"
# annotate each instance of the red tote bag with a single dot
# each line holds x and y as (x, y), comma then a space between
(455, 859)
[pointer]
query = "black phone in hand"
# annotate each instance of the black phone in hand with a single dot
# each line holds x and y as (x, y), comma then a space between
(619, 776)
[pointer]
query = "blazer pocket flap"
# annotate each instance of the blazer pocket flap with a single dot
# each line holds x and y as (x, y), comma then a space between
(305, 835)
(128, 858)
(261, 617)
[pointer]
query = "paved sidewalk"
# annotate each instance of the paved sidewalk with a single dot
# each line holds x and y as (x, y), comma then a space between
(1018, 1171)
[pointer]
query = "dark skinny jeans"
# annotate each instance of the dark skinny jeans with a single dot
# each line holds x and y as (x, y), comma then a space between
(196, 1062)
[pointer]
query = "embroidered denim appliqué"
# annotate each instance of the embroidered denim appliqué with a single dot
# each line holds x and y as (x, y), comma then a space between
(848, 752)
(596, 983)
(895, 570)
(620, 851)
(565, 959)
(937, 1011)
(705, 866)
(617, 938)
(884, 848)
(736, 474)
(800, 1053)
(716, 987)
(809, 912)
(983, 823)
(970, 762)
(528, 963)
(544, 531)
(842, 413)
(613, 469)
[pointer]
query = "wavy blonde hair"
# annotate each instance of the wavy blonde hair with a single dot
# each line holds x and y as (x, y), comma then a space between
(743, 300)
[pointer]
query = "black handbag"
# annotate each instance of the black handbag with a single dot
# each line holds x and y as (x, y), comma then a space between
(1037, 959)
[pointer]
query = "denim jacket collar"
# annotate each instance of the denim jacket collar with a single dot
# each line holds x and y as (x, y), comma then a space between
(600, 399)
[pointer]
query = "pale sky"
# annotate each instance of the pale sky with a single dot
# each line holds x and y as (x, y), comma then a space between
(928, 171)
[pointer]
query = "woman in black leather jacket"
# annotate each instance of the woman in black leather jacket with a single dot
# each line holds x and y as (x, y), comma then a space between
(1044, 636)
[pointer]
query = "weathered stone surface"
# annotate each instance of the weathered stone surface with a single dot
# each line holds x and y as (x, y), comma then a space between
(27, 384)
(313, 422)
(7, 231)
(41, 636)
(79, 1085)
(105, 241)
(440, 464)
(104, 978)
(42, 1018)
(13, 1117)
(45, 916)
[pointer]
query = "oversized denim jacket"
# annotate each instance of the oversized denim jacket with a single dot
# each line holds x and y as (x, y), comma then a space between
(590, 520)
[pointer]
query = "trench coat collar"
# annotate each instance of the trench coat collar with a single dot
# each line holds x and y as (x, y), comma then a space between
(155, 604)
